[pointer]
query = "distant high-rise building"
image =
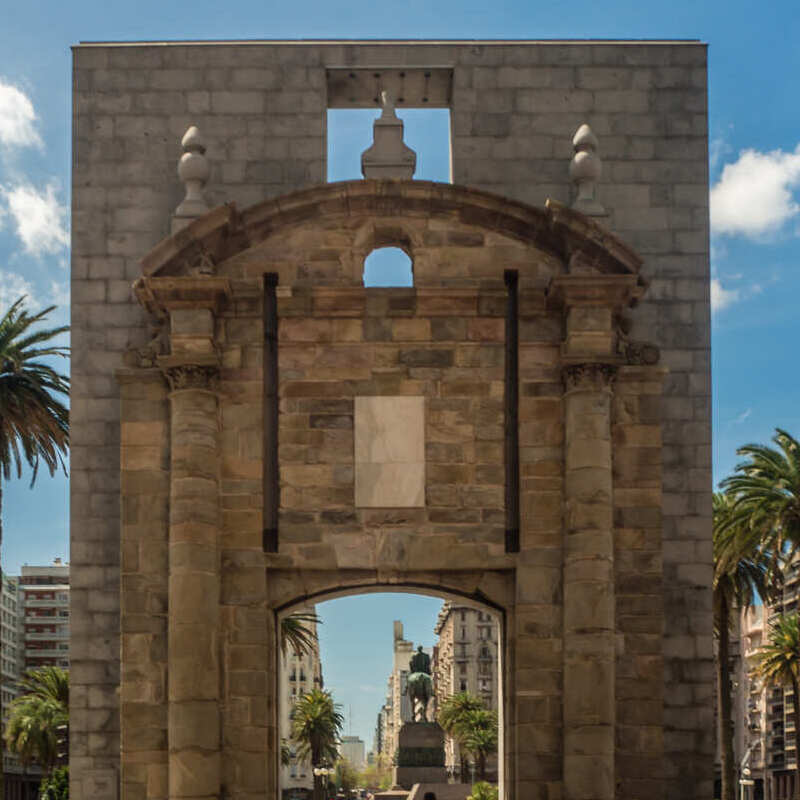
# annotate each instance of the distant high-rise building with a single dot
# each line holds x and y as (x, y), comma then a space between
(465, 660)
(35, 633)
(352, 748)
(45, 601)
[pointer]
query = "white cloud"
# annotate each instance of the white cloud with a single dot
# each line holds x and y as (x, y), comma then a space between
(17, 118)
(12, 287)
(722, 297)
(39, 218)
(754, 194)
(743, 416)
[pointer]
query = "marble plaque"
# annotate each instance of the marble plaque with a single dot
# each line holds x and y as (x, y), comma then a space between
(390, 452)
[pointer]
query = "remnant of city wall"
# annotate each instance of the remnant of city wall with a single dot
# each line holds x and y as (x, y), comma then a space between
(514, 109)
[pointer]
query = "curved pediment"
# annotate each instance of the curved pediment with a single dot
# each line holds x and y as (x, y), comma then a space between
(576, 241)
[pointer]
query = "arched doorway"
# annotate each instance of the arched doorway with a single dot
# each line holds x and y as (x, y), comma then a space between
(359, 653)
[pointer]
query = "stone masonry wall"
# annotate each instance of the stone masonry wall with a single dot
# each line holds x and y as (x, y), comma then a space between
(515, 106)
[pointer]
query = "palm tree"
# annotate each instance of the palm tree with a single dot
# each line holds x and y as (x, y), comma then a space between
(483, 791)
(34, 422)
(298, 631)
(767, 491)
(477, 734)
(316, 725)
(743, 570)
(452, 713)
(778, 664)
(36, 715)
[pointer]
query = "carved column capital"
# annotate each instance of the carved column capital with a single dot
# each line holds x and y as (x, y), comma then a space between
(191, 376)
(588, 377)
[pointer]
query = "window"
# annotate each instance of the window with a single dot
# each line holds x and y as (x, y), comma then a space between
(463, 686)
(388, 266)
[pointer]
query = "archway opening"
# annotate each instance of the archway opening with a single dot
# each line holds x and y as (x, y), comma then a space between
(388, 266)
(364, 650)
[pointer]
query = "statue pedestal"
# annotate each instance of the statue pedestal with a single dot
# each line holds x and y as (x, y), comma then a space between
(420, 755)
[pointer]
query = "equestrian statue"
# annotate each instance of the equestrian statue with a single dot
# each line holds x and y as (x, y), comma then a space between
(419, 686)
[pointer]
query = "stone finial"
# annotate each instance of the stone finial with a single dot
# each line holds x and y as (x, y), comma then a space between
(585, 170)
(388, 157)
(193, 171)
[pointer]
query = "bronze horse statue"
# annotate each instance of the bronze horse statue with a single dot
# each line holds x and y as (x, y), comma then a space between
(419, 685)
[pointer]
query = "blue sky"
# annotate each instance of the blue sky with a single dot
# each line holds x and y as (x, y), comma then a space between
(755, 160)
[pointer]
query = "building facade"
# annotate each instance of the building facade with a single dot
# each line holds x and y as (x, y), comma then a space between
(45, 602)
(528, 425)
(465, 659)
(12, 648)
(766, 718)
(352, 748)
(35, 633)
(299, 674)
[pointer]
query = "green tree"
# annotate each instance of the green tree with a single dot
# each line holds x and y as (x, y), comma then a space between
(483, 791)
(477, 733)
(34, 718)
(451, 714)
(377, 775)
(346, 777)
(56, 787)
(298, 632)
(743, 571)
(767, 490)
(316, 725)
(778, 664)
(34, 421)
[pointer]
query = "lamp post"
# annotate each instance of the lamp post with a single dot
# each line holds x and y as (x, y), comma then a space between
(324, 773)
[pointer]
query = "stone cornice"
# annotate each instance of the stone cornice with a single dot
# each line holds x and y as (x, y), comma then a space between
(162, 295)
(556, 229)
(609, 291)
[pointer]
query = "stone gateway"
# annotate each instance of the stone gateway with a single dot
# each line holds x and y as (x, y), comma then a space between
(527, 427)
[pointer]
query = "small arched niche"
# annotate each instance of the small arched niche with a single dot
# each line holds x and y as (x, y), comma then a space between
(388, 267)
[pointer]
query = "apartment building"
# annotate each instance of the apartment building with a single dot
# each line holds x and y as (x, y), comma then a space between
(765, 718)
(12, 656)
(465, 659)
(44, 592)
(299, 674)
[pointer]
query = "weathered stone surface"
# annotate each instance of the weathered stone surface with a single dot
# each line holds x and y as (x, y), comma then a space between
(515, 107)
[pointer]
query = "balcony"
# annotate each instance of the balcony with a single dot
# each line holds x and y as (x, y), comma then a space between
(62, 635)
(46, 653)
(54, 603)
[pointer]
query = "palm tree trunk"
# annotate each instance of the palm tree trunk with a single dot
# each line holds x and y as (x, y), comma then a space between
(724, 704)
(318, 779)
(482, 766)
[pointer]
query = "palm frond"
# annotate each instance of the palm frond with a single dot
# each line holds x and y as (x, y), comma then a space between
(34, 420)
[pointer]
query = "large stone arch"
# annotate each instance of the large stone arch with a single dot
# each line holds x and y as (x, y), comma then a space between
(514, 340)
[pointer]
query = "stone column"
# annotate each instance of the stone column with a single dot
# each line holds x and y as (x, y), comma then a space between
(589, 653)
(590, 355)
(191, 304)
(194, 583)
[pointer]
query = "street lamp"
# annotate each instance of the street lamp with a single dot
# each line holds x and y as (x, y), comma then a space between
(324, 773)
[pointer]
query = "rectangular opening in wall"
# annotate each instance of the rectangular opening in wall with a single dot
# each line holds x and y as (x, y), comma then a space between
(426, 132)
